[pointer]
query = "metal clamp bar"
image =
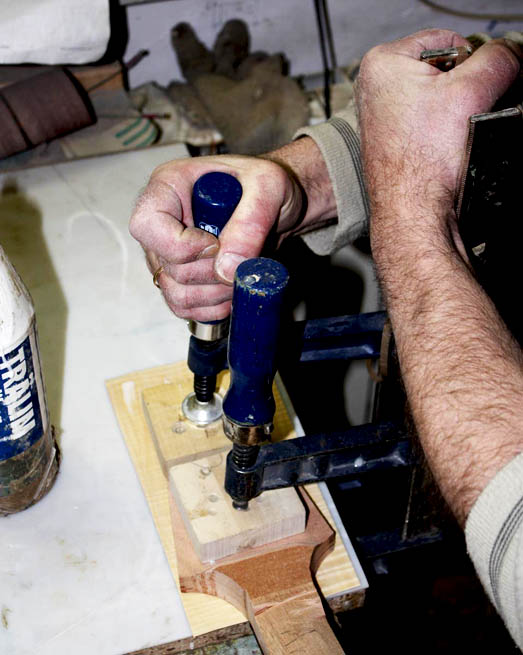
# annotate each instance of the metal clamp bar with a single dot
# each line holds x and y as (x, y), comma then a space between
(339, 337)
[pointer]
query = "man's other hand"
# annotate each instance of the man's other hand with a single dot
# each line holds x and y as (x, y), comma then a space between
(414, 121)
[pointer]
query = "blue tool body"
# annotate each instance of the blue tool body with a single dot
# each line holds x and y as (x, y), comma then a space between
(258, 296)
(214, 199)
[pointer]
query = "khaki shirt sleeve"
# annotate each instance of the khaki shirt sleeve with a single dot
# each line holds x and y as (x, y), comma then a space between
(339, 144)
(494, 534)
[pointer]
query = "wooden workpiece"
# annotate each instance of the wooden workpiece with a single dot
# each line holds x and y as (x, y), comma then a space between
(271, 585)
(215, 528)
(129, 395)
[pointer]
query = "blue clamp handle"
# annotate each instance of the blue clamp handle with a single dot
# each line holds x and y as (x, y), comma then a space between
(214, 199)
(259, 289)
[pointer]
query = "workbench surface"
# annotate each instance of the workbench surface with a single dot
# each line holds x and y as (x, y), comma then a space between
(83, 571)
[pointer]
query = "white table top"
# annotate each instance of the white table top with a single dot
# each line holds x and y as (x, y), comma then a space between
(83, 571)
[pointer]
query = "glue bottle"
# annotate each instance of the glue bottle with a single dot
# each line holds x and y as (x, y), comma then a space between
(28, 453)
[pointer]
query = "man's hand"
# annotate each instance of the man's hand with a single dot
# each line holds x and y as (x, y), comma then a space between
(195, 282)
(283, 192)
(414, 121)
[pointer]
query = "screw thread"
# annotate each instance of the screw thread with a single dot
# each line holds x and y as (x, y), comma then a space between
(244, 456)
(204, 387)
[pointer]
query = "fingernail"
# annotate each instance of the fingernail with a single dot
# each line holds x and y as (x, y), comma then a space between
(227, 264)
(209, 252)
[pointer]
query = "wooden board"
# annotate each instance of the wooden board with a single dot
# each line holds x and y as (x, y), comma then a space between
(271, 585)
(214, 527)
(176, 439)
(336, 575)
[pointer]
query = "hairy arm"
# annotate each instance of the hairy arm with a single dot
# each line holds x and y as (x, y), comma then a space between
(462, 369)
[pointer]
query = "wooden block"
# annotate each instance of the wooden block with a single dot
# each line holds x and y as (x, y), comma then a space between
(272, 585)
(176, 439)
(215, 528)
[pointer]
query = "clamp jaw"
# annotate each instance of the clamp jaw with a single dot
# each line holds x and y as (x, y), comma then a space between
(313, 458)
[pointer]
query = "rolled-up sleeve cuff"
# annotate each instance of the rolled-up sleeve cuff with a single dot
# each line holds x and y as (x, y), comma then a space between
(339, 144)
(494, 534)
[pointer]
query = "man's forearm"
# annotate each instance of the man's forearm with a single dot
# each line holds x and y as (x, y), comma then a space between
(462, 369)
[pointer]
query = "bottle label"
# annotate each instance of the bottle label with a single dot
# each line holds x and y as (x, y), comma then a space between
(23, 413)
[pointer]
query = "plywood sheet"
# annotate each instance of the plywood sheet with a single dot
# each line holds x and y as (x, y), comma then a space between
(335, 576)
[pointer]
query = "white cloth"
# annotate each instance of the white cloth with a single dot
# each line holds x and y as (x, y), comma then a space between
(53, 31)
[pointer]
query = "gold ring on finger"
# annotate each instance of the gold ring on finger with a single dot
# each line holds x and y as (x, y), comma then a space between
(156, 276)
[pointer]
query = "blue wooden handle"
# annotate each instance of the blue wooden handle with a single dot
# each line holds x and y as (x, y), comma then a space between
(214, 199)
(258, 295)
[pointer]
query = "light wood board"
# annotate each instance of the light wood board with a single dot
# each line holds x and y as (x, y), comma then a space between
(336, 574)
(215, 528)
